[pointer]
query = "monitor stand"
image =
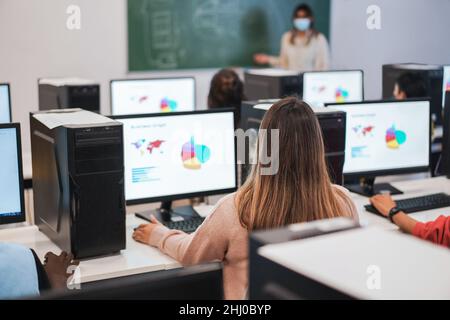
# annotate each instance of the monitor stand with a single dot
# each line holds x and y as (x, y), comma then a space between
(368, 188)
(166, 213)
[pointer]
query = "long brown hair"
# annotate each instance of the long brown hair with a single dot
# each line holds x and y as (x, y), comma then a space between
(309, 14)
(301, 190)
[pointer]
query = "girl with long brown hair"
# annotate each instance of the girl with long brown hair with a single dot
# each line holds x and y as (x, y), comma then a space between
(299, 191)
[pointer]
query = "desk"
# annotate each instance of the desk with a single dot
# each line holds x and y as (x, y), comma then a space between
(136, 258)
(139, 258)
(406, 267)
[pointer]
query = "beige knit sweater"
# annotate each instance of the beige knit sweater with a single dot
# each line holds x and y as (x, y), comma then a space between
(300, 56)
(221, 237)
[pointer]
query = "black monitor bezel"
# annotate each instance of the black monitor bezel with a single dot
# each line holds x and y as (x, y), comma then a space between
(192, 194)
(9, 99)
(386, 172)
(150, 79)
(21, 217)
(333, 71)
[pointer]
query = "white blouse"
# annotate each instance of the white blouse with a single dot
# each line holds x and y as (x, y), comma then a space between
(302, 57)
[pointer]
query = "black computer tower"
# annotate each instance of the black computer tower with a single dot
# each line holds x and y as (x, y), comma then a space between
(332, 123)
(432, 76)
(60, 94)
(262, 85)
(78, 186)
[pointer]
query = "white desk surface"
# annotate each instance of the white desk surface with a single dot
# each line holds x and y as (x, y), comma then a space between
(139, 258)
(136, 258)
(409, 268)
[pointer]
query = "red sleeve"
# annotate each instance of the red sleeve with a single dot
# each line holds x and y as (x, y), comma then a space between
(437, 231)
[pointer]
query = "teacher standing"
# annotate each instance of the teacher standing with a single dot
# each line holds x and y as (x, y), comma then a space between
(303, 48)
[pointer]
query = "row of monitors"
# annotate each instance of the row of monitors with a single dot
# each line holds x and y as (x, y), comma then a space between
(181, 155)
(139, 96)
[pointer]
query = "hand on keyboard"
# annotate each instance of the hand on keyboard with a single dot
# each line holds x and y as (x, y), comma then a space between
(383, 203)
(410, 205)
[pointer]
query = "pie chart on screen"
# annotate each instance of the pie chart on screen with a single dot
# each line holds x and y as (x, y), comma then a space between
(194, 155)
(395, 138)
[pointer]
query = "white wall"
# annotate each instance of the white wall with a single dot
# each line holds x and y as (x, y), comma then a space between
(411, 31)
(36, 43)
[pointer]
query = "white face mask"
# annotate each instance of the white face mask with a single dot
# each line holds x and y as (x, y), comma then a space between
(302, 24)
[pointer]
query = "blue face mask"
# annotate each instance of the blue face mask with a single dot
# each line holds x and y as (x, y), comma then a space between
(302, 24)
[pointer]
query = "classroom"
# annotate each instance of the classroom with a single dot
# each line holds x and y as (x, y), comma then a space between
(212, 150)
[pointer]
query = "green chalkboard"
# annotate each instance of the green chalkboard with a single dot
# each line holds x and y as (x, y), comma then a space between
(187, 34)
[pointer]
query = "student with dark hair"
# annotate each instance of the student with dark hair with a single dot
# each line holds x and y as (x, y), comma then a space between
(410, 85)
(226, 91)
(303, 48)
(299, 191)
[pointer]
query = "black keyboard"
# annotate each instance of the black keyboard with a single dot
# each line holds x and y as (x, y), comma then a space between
(189, 225)
(432, 201)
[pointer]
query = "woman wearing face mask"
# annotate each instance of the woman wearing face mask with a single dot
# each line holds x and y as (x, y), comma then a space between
(303, 48)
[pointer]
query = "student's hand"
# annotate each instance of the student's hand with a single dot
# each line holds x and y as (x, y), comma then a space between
(144, 231)
(261, 58)
(57, 268)
(383, 203)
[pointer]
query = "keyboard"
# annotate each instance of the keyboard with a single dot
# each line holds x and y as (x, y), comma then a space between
(410, 205)
(188, 225)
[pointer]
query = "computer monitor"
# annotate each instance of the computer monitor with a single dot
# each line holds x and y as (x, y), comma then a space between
(141, 96)
(12, 208)
(5, 103)
(171, 156)
(431, 75)
(446, 83)
(333, 87)
(384, 138)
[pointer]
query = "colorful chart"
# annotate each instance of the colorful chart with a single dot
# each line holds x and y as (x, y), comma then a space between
(168, 105)
(341, 95)
(395, 138)
(364, 131)
(139, 99)
(143, 99)
(320, 89)
(194, 155)
(155, 144)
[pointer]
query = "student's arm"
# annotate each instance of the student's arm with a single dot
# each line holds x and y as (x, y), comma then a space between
(323, 54)
(437, 231)
(208, 243)
(384, 204)
(43, 281)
